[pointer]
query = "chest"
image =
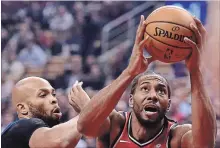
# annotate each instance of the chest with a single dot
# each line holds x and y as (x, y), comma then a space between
(159, 141)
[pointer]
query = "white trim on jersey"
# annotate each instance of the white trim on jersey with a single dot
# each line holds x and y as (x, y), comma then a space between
(135, 141)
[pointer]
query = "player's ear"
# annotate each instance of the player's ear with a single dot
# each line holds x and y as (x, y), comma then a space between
(22, 109)
(169, 104)
(131, 101)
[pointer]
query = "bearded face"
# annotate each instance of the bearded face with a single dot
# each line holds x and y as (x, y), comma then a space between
(150, 100)
(41, 113)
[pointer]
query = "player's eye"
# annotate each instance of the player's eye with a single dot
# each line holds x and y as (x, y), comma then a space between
(54, 94)
(161, 92)
(43, 95)
(145, 89)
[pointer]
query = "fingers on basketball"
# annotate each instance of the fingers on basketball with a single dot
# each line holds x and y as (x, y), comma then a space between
(198, 35)
(192, 45)
(150, 59)
(140, 30)
(144, 42)
(201, 28)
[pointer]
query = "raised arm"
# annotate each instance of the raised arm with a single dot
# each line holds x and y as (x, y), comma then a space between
(101, 105)
(203, 132)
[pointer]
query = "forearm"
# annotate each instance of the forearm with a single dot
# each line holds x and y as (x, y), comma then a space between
(101, 105)
(203, 116)
(66, 133)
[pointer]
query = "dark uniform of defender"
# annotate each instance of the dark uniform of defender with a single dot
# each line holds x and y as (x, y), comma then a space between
(17, 134)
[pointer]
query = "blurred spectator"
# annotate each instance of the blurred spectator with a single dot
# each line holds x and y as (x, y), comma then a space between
(89, 34)
(49, 10)
(6, 85)
(16, 68)
(75, 70)
(90, 60)
(32, 55)
(35, 12)
(5, 37)
(49, 42)
(62, 22)
(95, 79)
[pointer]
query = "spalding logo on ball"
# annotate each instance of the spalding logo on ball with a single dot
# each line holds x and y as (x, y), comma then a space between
(167, 26)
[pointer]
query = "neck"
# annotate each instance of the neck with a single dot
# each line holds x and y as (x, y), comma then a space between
(23, 116)
(144, 133)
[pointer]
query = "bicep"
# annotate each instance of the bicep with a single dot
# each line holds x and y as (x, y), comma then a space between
(187, 140)
(182, 136)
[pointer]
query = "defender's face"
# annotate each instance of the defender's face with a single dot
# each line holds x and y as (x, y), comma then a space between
(150, 99)
(44, 104)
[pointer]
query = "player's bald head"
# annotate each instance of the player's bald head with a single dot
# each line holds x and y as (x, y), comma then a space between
(26, 88)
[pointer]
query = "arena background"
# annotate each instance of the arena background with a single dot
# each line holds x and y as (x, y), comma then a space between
(91, 41)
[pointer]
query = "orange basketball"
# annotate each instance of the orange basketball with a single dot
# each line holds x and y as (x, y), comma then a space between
(167, 26)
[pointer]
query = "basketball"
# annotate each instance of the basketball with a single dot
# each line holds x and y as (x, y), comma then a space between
(167, 26)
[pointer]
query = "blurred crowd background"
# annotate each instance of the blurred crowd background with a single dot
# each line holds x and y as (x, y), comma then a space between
(61, 42)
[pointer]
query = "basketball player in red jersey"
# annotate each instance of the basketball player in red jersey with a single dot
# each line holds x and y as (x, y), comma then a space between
(146, 125)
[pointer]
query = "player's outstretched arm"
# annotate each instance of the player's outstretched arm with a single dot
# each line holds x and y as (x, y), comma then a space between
(203, 132)
(64, 135)
(102, 104)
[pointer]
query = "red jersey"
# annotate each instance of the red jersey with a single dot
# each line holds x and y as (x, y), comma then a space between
(161, 140)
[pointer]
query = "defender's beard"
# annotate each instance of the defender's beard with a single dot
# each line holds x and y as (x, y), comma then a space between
(38, 112)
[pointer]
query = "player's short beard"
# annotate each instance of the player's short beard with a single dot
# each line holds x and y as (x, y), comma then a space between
(38, 112)
(148, 123)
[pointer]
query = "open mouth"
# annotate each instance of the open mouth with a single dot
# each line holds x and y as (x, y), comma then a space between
(150, 109)
(56, 110)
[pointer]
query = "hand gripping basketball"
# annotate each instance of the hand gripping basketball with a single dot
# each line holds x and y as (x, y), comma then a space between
(138, 63)
(193, 62)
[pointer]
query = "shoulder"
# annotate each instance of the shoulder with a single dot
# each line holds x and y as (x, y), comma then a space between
(20, 131)
(182, 129)
(116, 122)
(32, 122)
(178, 133)
(117, 118)
(24, 125)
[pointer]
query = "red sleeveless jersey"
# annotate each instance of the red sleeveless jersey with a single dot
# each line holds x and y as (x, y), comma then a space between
(161, 140)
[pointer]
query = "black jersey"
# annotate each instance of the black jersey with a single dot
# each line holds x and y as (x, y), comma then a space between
(17, 134)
